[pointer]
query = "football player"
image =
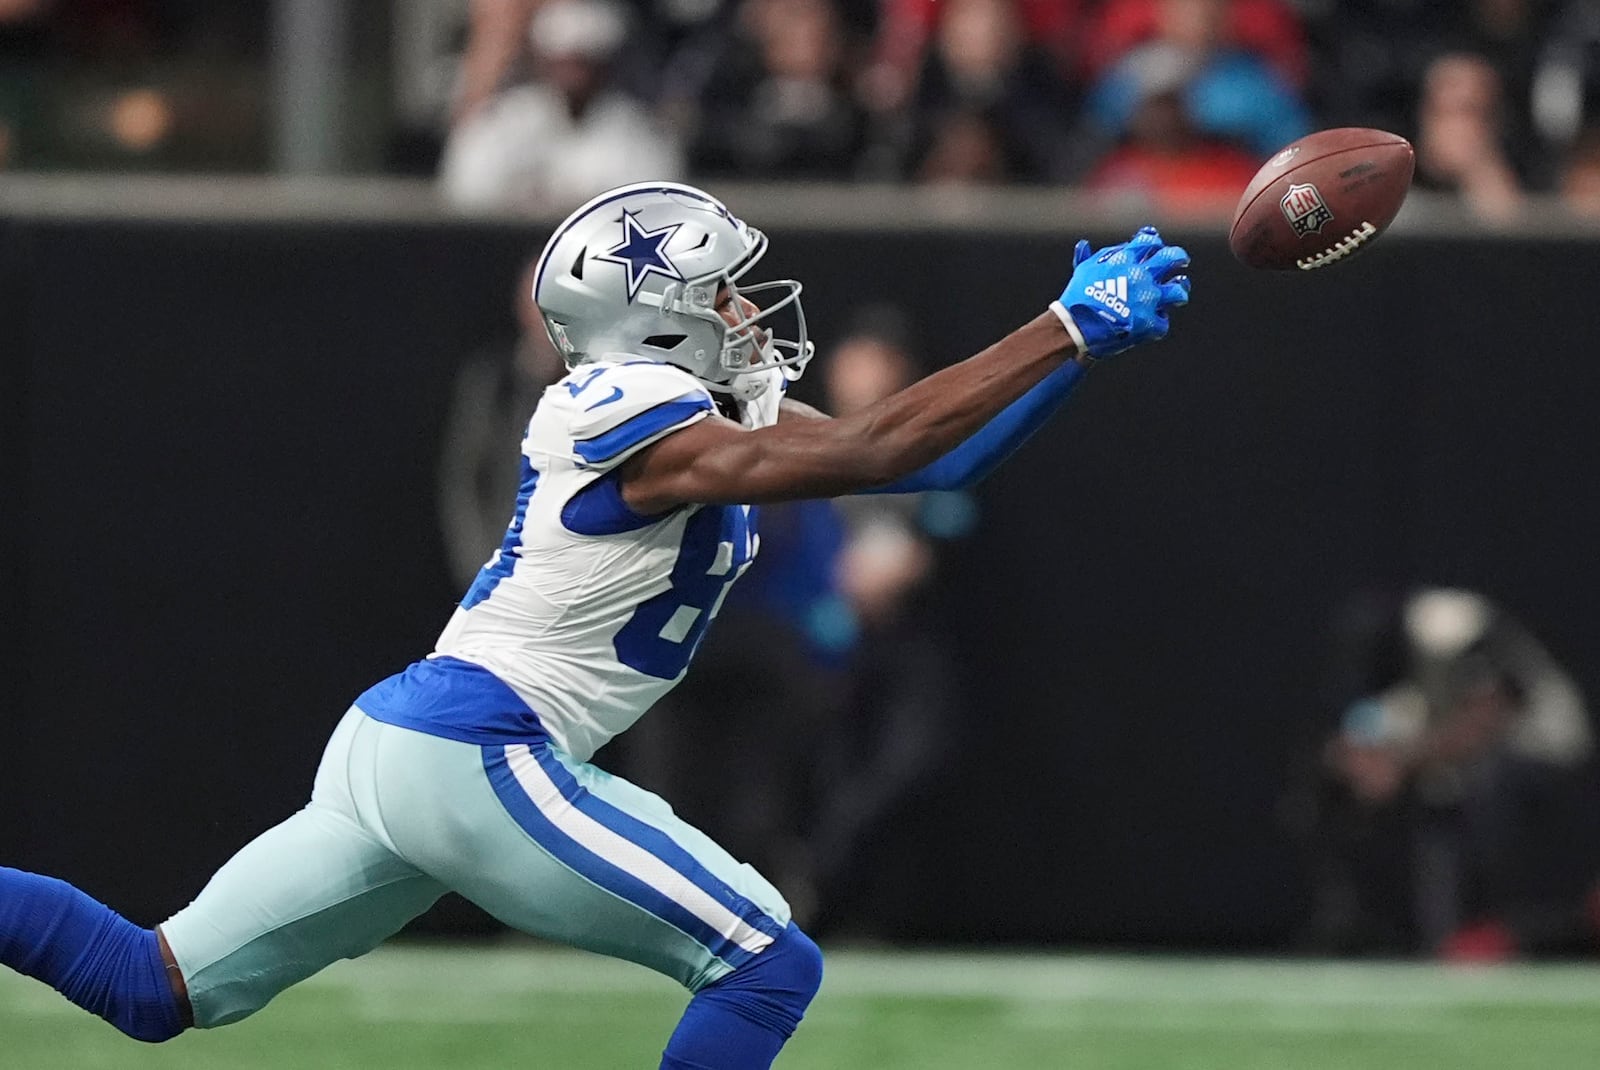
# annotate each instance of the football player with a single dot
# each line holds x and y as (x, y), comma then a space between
(470, 771)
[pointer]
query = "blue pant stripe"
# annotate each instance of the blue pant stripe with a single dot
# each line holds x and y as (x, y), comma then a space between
(656, 842)
(586, 863)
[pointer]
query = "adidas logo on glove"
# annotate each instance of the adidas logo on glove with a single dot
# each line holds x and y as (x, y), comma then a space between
(1113, 293)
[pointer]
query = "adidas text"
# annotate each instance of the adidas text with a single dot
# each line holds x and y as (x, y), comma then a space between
(1113, 293)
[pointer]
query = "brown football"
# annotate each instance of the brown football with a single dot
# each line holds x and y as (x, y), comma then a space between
(1322, 199)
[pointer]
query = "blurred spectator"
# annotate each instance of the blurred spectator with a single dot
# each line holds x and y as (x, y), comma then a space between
(778, 103)
(988, 100)
(966, 149)
(1579, 186)
(1269, 29)
(1164, 161)
(1227, 93)
(896, 719)
(1457, 788)
(552, 143)
(497, 42)
(1371, 58)
(908, 26)
(1509, 34)
(1460, 146)
(1565, 93)
(687, 39)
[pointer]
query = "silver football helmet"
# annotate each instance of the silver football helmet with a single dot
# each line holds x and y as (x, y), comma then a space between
(634, 274)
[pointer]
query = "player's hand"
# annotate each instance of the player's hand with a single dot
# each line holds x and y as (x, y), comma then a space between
(1120, 296)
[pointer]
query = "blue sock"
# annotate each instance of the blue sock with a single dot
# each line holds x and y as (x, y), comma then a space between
(96, 958)
(742, 1021)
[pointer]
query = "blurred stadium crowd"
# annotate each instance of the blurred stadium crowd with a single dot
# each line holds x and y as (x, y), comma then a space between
(533, 104)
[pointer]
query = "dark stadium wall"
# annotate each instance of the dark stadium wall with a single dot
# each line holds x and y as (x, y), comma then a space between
(14, 359)
(228, 464)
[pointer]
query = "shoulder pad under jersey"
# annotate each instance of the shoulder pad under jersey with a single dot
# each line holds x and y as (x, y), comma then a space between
(615, 410)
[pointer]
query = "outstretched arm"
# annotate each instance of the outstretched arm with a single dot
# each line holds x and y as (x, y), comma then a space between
(996, 440)
(715, 461)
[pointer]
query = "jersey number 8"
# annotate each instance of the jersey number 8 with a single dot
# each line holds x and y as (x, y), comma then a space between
(661, 636)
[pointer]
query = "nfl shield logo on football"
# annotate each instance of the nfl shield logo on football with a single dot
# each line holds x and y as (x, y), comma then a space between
(1305, 209)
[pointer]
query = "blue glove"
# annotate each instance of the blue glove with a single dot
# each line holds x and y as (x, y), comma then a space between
(1120, 296)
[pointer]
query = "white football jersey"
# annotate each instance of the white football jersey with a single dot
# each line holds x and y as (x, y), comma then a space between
(589, 611)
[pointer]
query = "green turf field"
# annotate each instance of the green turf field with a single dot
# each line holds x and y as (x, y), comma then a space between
(411, 1006)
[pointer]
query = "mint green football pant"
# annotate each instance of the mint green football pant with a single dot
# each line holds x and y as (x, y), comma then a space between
(548, 845)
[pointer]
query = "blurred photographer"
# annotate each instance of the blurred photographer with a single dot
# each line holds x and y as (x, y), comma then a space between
(1455, 787)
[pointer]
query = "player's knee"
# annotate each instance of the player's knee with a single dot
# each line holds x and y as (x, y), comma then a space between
(804, 970)
(774, 988)
(147, 1030)
(134, 994)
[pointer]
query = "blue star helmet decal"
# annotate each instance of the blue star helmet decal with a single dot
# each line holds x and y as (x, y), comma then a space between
(640, 252)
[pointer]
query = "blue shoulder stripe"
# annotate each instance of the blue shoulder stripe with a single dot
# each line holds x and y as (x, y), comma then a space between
(636, 429)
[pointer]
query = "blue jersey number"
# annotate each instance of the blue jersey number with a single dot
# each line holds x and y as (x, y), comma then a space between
(583, 384)
(661, 636)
